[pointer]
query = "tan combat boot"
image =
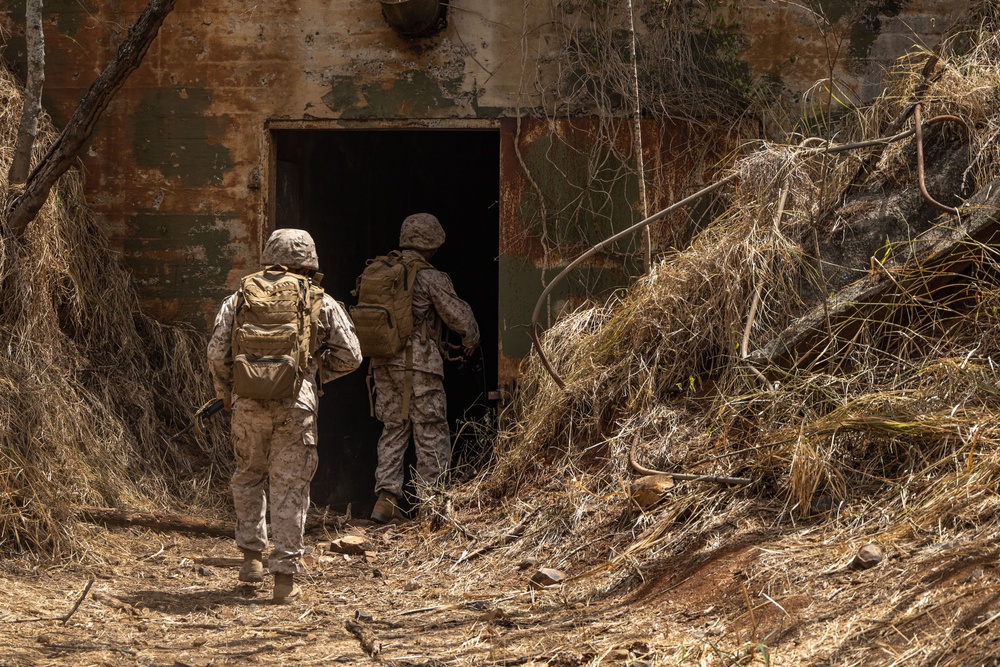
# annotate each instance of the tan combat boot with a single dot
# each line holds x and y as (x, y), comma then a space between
(285, 589)
(386, 508)
(252, 570)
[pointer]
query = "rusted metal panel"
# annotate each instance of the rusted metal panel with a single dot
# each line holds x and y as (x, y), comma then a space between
(567, 185)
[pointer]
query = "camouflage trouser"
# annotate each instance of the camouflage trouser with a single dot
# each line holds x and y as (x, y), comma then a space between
(428, 423)
(273, 444)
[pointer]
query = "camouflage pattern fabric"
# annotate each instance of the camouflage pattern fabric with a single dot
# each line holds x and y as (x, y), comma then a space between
(275, 441)
(290, 248)
(422, 231)
(275, 448)
(428, 424)
(435, 303)
(339, 355)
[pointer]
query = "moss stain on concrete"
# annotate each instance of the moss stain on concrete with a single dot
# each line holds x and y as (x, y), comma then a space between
(181, 258)
(172, 132)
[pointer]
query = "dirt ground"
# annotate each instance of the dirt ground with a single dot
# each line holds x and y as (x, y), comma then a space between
(750, 594)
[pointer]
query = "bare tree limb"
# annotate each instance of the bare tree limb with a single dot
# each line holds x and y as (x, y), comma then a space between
(158, 521)
(32, 108)
(64, 151)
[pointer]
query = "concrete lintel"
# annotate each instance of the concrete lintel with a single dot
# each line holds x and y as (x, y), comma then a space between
(394, 124)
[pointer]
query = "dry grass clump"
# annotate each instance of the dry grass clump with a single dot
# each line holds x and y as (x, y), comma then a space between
(90, 384)
(893, 425)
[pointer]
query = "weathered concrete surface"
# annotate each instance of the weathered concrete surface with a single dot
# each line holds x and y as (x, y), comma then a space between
(800, 44)
(180, 167)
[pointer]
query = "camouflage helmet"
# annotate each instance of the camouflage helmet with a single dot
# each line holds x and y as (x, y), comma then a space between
(421, 231)
(292, 248)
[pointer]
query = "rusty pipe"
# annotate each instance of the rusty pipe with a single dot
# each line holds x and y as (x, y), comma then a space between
(536, 342)
(576, 262)
(921, 181)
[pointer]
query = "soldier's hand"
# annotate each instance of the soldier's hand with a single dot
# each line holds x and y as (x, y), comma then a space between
(227, 402)
(468, 351)
(447, 349)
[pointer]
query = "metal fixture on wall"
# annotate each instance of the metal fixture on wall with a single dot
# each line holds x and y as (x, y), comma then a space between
(413, 18)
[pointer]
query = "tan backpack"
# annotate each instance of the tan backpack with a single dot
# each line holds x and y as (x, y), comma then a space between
(275, 333)
(383, 317)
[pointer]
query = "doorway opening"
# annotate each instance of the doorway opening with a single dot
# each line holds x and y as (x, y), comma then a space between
(350, 189)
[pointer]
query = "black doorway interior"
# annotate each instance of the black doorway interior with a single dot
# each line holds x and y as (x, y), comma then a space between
(351, 190)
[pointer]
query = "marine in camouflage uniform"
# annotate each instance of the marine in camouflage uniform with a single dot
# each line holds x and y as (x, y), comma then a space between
(274, 441)
(434, 304)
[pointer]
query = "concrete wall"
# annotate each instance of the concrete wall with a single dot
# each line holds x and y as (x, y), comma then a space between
(179, 168)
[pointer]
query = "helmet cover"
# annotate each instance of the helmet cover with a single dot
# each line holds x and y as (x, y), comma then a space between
(421, 231)
(292, 248)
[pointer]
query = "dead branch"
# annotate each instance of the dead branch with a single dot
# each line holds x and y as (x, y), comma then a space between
(32, 108)
(79, 601)
(365, 637)
(65, 149)
(642, 470)
(158, 521)
(507, 537)
(805, 338)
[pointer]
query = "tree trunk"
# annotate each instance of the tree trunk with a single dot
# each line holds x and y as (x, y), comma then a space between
(32, 108)
(67, 147)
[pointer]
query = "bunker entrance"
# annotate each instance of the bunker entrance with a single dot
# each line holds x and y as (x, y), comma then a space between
(351, 190)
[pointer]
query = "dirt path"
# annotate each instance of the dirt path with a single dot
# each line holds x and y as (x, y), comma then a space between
(156, 602)
(751, 597)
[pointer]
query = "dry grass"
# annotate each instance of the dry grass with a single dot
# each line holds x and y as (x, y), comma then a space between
(893, 427)
(90, 384)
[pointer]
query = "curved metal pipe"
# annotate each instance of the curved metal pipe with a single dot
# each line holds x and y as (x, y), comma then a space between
(697, 195)
(920, 156)
(576, 262)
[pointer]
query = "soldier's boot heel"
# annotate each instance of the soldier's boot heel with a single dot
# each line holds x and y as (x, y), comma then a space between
(252, 570)
(285, 589)
(386, 508)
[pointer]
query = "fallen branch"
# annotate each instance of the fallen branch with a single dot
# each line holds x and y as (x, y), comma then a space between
(507, 537)
(682, 476)
(158, 521)
(72, 611)
(365, 637)
(804, 150)
(807, 338)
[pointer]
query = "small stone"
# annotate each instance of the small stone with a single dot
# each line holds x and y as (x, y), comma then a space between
(355, 545)
(868, 556)
(363, 615)
(546, 576)
(411, 585)
(651, 489)
(206, 571)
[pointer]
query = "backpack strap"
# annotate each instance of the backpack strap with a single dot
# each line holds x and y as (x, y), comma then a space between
(407, 382)
(407, 385)
(413, 267)
(369, 382)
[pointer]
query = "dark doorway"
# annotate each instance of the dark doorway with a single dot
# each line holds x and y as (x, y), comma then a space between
(351, 190)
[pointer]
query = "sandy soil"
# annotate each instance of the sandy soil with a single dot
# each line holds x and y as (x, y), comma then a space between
(748, 595)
